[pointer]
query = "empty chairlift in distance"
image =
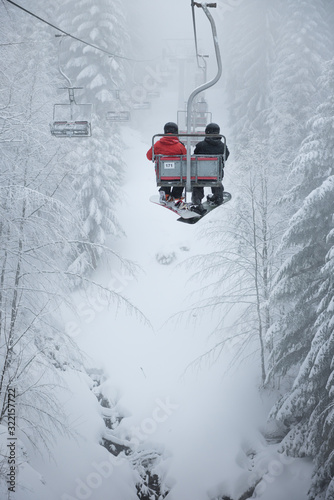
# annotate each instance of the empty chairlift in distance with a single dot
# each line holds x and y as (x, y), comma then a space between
(152, 94)
(141, 105)
(200, 117)
(118, 116)
(71, 119)
(119, 113)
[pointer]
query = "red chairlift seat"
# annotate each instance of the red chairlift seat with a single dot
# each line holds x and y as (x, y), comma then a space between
(205, 170)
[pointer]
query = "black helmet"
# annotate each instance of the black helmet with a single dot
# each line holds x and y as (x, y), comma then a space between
(212, 128)
(171, 128)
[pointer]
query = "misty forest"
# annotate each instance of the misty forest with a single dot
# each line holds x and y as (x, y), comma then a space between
(141, 358)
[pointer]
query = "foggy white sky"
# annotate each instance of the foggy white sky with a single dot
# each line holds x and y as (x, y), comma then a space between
(161, 20)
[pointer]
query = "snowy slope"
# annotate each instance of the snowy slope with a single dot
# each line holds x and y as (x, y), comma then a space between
(207, 421)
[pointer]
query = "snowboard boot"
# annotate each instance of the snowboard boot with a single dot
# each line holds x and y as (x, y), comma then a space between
(198, 209)
(214, 200)
(179, 202)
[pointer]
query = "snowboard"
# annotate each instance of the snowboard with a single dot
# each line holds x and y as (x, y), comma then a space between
(185, 214)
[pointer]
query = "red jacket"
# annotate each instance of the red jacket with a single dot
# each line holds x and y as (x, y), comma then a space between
(167, 146)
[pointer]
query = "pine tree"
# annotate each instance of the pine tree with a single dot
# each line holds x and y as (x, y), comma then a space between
(304, 292)
(39, 233)
(250, 33)
(35, 230)
(99, 165)
(97, 185)
(102, 24)
(271, 90)
(302, 43)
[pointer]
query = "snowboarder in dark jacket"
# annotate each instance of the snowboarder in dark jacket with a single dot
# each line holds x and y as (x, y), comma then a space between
(169, 145)
(210, 146)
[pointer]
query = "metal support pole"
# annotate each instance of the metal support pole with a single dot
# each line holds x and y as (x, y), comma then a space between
(201, 88)
(59, 65)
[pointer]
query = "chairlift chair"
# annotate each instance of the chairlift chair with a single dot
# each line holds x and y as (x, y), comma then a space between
(205, 170)
(199, 121)
(142, 105)
(201, 116)
(193, 170)
(201, 106)
(118, 116)
(153, 94)
(73, 119)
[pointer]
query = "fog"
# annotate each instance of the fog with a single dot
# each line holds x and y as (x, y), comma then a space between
(164, 38)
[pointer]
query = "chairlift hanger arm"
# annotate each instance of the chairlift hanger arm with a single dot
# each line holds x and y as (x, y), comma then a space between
(206, 85)
(199, 56)
(59, 65)
(111, 78)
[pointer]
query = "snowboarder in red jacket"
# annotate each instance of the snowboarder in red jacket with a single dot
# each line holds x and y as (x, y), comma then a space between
(169, 146)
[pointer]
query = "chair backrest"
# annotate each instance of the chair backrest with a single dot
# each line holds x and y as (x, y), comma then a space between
(205, 170)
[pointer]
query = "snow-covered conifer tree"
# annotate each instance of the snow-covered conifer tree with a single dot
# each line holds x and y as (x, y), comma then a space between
(304, 293)
(98, 160)
(276, 54)
(249, 41)
(36, 228)
(249, 237)
(302, 44)
(38, 232)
